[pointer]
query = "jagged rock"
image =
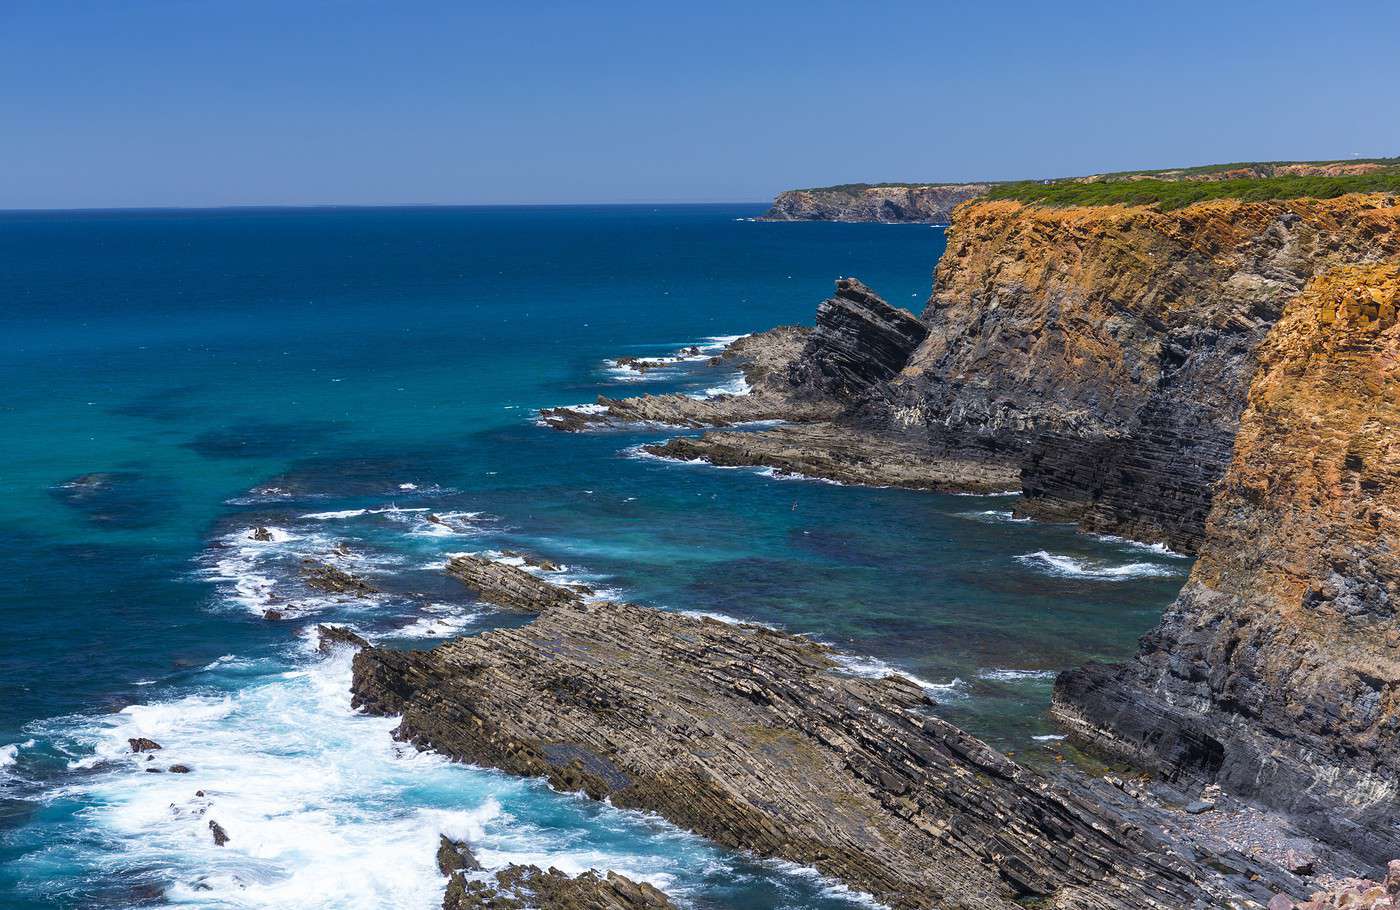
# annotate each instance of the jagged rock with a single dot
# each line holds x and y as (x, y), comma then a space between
(272, 615)
(179, 769)
(1355, 894)
(756, 739)
(859, 340)
(328, 638)
(845, 454)
(508, 586)
(520, 887)
(930, 203)
(328, 578)
(455, 856)
(260, 533)
(220, 835)
(1271, 674)
(142, 744)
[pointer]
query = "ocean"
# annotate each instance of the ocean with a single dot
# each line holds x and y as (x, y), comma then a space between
(176, 378)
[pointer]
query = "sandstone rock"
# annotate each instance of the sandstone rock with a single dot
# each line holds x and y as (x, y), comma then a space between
(757, 740)
(1270, 674)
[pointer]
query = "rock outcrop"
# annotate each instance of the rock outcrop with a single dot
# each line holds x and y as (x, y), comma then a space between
(524, 887)
(1111, 348)
(930, 203)
(1353, 894)
(758, 740)
(846, 454)
(507, 586)
(1277, 670)
(859, 340)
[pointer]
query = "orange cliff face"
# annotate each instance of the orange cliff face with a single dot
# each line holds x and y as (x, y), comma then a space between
(1112, 346)
(1277, 671)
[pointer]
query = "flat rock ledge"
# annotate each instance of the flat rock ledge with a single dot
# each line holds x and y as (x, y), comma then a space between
(845, 454)
(758, 740)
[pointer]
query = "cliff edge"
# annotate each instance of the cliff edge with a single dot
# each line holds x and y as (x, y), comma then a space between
(930, 203)
(1277, 669)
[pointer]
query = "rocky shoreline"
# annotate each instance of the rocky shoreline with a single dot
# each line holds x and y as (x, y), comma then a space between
(930, 203)
(759, 740)
(1219, 378)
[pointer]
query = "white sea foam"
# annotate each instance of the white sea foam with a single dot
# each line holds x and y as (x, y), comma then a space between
(356, 513)
(1049, 738)
(1004, 675)
(1062, 566)
(1159, 548)
(439, 621)
(323, 809)
(775, 474)
(997, 493)
(994, 515)
(875, 668)
(735, 387)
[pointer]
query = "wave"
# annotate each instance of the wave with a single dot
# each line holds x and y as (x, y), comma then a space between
(1062, 566)
(994, 515)
(1049, 738)
(1160, 549)
(999, 493)
(1001, 675)
(439, 621)
(356, 513)
(875, 668)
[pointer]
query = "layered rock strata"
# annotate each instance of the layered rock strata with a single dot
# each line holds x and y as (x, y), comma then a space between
(845, 454)
(756, 739)
(1111, 348)
(931, 203)
(1277, 670)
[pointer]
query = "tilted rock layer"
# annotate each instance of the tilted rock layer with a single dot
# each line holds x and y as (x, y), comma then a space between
(928, 203)
(1277, 670)
(756, 739)
(1111, 348)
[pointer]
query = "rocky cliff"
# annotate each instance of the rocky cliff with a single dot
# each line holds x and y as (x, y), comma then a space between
(1110, 348)
(929, 203)
(1277, 670)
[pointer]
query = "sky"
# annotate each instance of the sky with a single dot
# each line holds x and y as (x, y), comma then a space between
(196, 102)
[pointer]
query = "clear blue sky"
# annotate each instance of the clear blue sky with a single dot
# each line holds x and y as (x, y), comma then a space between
(196, 102)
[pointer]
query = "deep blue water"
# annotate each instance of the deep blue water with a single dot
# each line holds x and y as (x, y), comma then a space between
(175, 378)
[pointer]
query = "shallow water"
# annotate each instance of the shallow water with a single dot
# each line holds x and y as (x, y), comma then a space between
(177, 378)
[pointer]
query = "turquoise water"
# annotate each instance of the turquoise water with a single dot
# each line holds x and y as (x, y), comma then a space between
(176, 378)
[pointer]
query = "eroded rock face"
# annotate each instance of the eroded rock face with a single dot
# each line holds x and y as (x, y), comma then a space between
(1113, 347)
(756, 739)
(930, 203)
(859, 340)
(507, 586)
(1277, 670)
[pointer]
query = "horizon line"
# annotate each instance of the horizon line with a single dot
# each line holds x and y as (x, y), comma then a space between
(359, 205)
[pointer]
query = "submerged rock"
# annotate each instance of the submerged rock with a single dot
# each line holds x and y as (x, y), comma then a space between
(325, 577)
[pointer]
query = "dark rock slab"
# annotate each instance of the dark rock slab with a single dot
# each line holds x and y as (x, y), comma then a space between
(508, 586)
(520, 887)
(756, 739)
(325, 577)
(859, 340)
